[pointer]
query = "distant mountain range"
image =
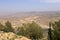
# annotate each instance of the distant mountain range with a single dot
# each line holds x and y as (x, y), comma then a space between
(19, 14)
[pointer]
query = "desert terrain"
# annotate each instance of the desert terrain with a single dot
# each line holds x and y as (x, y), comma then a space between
(41, 18)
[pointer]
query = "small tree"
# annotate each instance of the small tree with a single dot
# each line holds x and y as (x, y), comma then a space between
(56, 30)
(35, 31)
(8, 27)
(50, 32)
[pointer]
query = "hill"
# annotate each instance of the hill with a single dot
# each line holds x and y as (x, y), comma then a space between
(42, 18)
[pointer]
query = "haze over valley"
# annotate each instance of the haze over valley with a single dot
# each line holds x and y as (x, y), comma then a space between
(42, 18)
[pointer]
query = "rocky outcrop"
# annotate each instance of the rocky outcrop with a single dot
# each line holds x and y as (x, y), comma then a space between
(11, 36)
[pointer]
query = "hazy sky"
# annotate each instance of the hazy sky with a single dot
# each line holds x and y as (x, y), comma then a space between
(29, 5)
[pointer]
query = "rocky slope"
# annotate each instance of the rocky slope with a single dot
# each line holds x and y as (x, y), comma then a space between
(11, 36)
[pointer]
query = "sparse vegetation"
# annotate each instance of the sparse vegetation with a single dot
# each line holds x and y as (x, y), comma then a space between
(33, 30)
(30, 30)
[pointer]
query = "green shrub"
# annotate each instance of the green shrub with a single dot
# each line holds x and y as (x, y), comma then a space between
(8, 27)
(31, 30)
(56, 30)
(1, 27)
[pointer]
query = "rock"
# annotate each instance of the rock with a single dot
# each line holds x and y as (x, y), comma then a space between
(11, 36)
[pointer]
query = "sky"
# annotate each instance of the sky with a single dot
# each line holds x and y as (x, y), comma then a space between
(29, 5)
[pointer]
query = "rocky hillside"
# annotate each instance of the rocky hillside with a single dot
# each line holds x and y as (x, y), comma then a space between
(42, 18)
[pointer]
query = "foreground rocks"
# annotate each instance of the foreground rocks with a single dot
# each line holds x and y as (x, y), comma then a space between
(11, 36)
